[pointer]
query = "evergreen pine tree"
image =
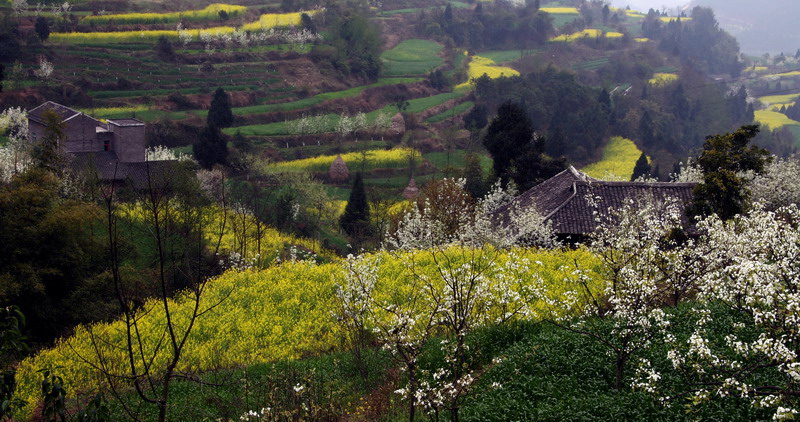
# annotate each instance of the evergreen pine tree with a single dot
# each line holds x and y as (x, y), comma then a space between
(211, 149)
(642, 168)
(473, 177)
(355, 219)
(220, 114)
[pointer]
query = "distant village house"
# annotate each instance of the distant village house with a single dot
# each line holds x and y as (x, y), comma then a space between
(115, 149)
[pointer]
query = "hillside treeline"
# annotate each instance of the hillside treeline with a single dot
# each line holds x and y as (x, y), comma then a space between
(668, 121)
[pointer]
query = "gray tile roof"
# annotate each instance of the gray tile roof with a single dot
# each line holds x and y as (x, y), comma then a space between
(563, 199)
(65, 112)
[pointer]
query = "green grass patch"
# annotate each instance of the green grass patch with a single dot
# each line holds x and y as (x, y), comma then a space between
(455, 111)
(158, 92)
(561, 19)
(315, 100)
(456, 159)
(619, 158)
(412, 57)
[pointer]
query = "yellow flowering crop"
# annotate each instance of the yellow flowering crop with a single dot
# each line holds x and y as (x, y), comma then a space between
(785, 74)
(265, 22)
(773, 119)
(586, 33)
(276, 20)
(661, 79)
(283, 312)
(560, 10)
(641, 39)
(614, 34)
(779, 99)
(673, 18)
(393, 158)
(479, 66)
(211, 12)
(635, 14)
(619, 158)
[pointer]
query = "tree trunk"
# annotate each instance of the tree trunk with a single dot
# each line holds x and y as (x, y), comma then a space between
(622, 359)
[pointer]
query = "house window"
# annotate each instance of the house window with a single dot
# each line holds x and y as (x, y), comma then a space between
(106, 145)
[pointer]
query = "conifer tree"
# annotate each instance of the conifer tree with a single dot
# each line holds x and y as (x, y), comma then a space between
(220, 114)
(473, 177)
(211, 148)
(642, 168)
(355, 220)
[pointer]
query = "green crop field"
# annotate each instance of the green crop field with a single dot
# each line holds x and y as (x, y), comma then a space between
(330, 120)
(412, 57)
(456, 159)
(591, 64)
(447, 114)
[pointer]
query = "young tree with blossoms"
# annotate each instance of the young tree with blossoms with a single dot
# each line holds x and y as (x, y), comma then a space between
(644, 269)
(754, 273)
(461, 240)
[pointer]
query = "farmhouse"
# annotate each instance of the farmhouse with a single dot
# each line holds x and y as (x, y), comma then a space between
(114, 149)
(564, 200)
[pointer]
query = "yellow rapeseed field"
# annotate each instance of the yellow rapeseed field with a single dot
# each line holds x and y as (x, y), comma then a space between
(635, 14)
(773, 120)
(560, 10)
(586, 33)
(379, 158)
(276, 20)
(779, 99)
(283, 312)
(619, 158)
(479, 66)
(661, 79)
(210, 12)
(641, 39)
(131, 36)
(266, 21)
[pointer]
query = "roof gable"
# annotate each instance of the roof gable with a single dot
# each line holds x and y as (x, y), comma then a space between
(63, 111)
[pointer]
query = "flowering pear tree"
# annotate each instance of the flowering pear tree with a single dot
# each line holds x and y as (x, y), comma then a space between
(461, 241)
(642, 268)
(777, 186)
(402, 320)
(15, 156)
(754, 273)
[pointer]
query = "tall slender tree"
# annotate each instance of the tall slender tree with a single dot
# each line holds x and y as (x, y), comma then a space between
(220, 114)
(355, 220)
(642, 168)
